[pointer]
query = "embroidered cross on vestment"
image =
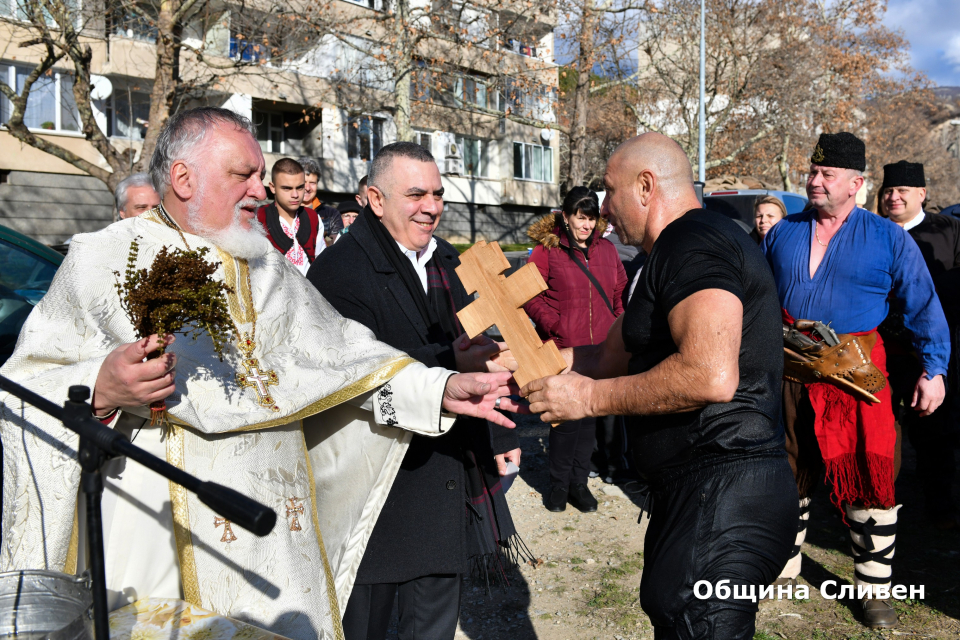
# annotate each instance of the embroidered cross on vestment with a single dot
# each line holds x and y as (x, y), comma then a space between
(227, 529)
(294, 509)
(256, 378)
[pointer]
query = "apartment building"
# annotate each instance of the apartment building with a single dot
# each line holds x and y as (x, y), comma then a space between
(485, 118)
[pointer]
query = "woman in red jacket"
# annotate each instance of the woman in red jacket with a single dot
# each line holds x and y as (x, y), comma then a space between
(585, 281)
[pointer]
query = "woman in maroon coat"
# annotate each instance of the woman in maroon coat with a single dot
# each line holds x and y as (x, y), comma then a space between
(576, 310)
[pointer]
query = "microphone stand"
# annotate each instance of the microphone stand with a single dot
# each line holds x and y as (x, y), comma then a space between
(99, 443)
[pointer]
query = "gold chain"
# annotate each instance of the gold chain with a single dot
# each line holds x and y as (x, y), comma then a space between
(816, 234)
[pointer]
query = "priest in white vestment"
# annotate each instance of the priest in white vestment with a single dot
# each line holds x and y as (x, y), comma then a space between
(329, 426)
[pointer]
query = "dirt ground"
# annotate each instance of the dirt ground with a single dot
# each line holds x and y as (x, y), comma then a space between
(587, 584)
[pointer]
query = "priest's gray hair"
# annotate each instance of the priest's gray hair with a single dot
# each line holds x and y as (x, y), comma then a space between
(384, 158)
(135, 180)
(182, 136)
(309, 165)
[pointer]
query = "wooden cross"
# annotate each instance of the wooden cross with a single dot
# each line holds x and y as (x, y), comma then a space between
(227, 529)
(294, 509)
(258, 380)
(501, 303)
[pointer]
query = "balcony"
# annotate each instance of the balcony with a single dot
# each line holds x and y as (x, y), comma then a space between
(520, 48)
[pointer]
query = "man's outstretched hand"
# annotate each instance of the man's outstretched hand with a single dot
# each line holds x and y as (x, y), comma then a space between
(475, 395)
(482, 354)
(125, 380)
(561, 398)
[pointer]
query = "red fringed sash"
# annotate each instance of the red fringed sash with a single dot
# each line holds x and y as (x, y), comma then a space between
(857, 439)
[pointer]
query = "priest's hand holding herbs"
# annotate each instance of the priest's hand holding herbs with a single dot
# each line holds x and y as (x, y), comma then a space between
(126, 380)
(476, 395)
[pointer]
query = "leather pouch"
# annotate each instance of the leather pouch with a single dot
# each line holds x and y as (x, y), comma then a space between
(848, 363)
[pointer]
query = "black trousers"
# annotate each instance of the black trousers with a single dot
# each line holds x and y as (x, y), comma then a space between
(571, 445)
(934, 438)
(733, 521)
(608, 455)
(429, 608)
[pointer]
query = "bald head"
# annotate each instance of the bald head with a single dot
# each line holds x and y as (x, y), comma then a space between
(649, 184)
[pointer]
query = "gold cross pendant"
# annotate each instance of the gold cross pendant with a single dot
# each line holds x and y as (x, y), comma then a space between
(255, 378)
(294, 509)
(227, 529)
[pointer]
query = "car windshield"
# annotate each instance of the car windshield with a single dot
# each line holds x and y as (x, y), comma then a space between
(24, 279)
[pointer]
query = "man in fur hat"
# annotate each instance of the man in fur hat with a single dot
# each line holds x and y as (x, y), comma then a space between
(934, 437)
(838, 264)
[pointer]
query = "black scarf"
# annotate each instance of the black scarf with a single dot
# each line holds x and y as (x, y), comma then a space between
(493, 544)
(280, 238)
(434, 306)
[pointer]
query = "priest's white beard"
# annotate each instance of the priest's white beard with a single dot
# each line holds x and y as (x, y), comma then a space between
(235, 240)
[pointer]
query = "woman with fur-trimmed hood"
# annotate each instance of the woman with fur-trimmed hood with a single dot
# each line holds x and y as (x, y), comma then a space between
(585, 282)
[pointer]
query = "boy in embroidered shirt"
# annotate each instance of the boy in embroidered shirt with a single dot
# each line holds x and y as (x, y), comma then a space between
(291, 227)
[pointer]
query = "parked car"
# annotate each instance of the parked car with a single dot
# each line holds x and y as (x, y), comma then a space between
(26, 270)
(738, 204)
(952, 210)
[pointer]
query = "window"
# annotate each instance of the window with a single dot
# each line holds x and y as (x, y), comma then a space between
(469, 90)
(456, 19)
(370, 4)
(270, 132)
(284, 132)
(50, 106)
(794, 204)
(11, 9)
(524, 49)
(364, 137)
(246, 51)
(421, 85)
(362, 62)
(128, 113)
(133, 24)
(528, 100)
(474, 153)
(423, 139)
(532, 162)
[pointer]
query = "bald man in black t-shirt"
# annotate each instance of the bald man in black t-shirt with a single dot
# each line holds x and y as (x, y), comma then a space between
(698, 354)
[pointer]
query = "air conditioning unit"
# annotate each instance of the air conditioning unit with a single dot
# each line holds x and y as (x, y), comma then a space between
(452, 160)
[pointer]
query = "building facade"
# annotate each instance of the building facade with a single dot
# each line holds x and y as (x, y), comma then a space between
(486, 118)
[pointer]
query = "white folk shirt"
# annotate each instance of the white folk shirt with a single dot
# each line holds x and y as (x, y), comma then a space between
(914, 222)
(296, 255)
(420, 260)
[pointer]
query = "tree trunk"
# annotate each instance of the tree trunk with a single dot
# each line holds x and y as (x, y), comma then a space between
(166, 78)
(401, 116)
(578, 130)
(784, 165)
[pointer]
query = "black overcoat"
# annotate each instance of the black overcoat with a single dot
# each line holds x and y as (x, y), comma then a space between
(421, 529)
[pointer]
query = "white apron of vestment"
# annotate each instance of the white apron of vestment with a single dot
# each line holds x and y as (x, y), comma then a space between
(352, 400)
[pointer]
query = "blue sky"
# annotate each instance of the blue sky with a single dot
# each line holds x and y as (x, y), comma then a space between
(933, 29)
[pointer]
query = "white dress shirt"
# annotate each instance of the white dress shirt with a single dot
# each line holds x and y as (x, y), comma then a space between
(914, 222)
(420, 260)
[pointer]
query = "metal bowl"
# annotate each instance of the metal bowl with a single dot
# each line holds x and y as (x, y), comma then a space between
(39, 605)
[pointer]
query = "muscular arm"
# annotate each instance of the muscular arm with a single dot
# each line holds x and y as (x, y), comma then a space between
(706, 326)
(605, 360)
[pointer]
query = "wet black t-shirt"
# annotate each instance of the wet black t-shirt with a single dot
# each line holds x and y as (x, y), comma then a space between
(705, 250)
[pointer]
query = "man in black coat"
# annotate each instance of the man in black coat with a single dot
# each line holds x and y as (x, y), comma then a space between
(936, 436)
(445, 508)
